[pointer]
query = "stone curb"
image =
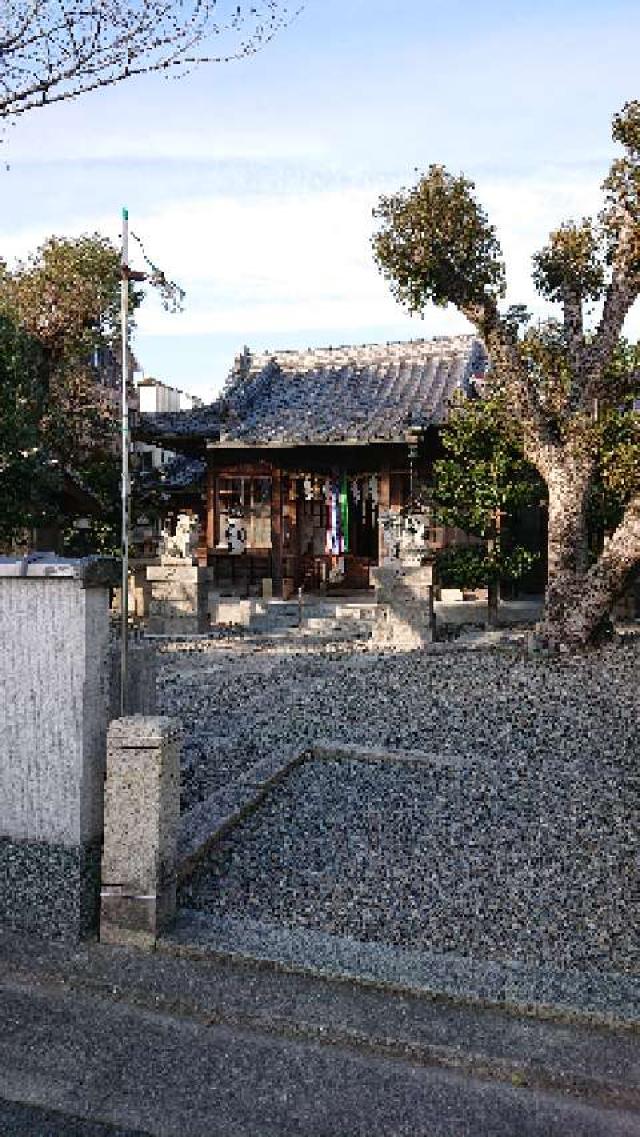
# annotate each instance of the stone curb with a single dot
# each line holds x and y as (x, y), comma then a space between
(327, 750)
(481, 1042)
(210, 819)
(594, 997)
(608, 998)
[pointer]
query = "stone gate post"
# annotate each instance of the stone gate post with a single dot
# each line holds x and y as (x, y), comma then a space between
(142, 814)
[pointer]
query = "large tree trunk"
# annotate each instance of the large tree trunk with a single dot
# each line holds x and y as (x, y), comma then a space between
(569, 485)
(607, 579)
(579, 598)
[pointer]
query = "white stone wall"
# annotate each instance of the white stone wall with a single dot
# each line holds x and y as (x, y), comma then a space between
(53, 710)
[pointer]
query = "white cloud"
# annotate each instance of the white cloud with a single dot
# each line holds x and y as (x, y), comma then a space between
(289, 262)
(281, 263)
(262, 261)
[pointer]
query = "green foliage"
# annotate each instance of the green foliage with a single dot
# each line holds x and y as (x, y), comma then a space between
(618, 469)
(462, 567)
(435, 243)
(483, 469)
(571, 264)
(623, 374)
(482, 480)
(473, 566)
(101, 477)
(626, 127)
(27, 478)
(67, 294)
(620, 218)
(57, 310)
(543, 350)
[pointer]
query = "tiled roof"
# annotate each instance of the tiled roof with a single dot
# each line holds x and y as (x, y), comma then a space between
(367, 393)
(376, 391)
(198, 423)
(179, 473)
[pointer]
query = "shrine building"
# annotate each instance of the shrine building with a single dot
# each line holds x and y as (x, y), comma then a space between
(305, 452)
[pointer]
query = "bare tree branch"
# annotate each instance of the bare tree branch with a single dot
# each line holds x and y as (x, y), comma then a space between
(52, 50)
(573, 321)
(621, 295)
(515, 379)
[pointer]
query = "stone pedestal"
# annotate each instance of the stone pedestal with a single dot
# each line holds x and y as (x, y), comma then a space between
(405, 616)
(141, 817)
(54, 679)
(178, 604)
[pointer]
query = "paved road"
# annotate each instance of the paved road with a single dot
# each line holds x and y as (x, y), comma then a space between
(91, 1058)
(18, 1120)
(176, 1048)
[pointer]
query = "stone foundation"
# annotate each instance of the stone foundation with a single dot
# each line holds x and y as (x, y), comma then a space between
(179, 594)
(404, 594)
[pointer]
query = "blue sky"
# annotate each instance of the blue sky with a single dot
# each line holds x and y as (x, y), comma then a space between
(252, 183)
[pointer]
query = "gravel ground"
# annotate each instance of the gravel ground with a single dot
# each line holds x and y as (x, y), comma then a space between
(241, 703)
(526, 851)
(498, 864)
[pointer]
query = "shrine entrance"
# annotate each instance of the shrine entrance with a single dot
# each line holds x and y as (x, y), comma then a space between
(307, 518)
(330, 533)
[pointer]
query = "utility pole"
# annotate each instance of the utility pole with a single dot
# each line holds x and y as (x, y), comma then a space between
(124, 600)
(172, 297)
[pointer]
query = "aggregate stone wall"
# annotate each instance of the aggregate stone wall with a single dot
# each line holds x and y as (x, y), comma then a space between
(54, 632)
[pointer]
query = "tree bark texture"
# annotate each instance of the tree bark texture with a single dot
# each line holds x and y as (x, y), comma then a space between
(579, 597)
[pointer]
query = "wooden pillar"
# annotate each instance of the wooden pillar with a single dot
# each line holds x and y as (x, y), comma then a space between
(384, 500)
(276, 530)
(384, 495)
(211, 510)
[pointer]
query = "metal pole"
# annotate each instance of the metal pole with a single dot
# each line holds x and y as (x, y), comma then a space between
(124, 603)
